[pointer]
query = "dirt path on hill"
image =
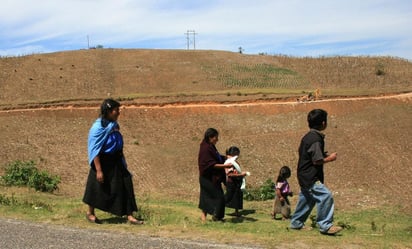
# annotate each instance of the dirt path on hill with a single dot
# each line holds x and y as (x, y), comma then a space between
(129, 105)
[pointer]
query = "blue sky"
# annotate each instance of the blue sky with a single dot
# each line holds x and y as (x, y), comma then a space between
(289, 27)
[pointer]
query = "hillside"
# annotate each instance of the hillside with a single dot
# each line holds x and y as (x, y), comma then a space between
(371, 135)
(185, 75)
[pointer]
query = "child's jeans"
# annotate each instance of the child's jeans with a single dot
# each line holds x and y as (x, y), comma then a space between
(320, 195)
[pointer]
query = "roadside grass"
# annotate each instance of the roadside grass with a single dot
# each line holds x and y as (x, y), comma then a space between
(380, 227)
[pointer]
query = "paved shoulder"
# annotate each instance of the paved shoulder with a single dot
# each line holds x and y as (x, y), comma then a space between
(22, 234)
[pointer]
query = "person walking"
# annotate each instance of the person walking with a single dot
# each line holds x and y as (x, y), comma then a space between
(109, 184)
(312, 157)
(211, 177)
(281, 204)
(235, 181)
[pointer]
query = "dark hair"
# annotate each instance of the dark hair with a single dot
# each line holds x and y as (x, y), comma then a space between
(107, 106)
(284, 173)
(210, 132)
(316, 117)
(233, 151)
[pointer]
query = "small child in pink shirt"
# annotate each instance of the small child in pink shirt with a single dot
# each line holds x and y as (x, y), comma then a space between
(281, 204)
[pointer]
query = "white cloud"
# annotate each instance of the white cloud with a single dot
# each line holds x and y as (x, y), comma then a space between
(295, 26)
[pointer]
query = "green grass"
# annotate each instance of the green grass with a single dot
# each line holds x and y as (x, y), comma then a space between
(370, 228)
(259, 76)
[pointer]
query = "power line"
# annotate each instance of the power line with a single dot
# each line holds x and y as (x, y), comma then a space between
(193, 33)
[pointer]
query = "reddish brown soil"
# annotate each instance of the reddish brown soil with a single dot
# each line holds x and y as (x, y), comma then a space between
(370, 134)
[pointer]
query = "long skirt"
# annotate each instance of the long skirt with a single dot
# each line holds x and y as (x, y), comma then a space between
(115, 195)
(212, 198)
(234, 195)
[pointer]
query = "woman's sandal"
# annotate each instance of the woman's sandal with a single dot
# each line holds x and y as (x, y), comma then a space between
(135, 222)
(91, 220)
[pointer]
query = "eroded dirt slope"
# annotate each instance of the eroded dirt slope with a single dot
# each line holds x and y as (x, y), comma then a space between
(371, 135)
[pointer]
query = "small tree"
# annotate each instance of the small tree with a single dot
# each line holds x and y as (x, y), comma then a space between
(379, 69)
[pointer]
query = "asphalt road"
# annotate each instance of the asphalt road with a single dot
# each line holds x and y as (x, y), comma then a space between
(18, 234)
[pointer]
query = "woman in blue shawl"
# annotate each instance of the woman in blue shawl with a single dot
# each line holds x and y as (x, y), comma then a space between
(109, 184)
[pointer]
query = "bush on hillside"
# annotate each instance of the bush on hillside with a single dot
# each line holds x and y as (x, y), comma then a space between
(42, 181)
(262, 193)
(379, 69)
(20, 173)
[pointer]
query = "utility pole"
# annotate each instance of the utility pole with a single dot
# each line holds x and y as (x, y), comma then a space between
(188, 33)
(187, 39)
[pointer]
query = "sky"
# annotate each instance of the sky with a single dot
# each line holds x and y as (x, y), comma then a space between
(302, 28)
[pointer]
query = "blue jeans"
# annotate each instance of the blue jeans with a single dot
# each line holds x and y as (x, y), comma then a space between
(320, 195)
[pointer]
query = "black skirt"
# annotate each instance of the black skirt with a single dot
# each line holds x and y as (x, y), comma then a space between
(234, 195)
(116, 194)
(212, 198)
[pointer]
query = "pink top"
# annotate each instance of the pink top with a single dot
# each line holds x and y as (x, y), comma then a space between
(284, 187)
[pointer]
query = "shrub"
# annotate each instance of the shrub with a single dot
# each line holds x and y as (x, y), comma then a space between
(42, 181)
(379, 69)
(20, 173)
(262, 193)
(380, 72)
(4, 200)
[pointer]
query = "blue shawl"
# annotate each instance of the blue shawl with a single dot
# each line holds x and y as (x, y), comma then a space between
(97, 137)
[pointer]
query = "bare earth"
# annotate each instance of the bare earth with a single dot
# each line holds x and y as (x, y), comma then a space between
(165, 138)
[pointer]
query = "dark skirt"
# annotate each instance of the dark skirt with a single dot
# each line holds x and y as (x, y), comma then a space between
(212, 198)
(234, 195)
(116, 194)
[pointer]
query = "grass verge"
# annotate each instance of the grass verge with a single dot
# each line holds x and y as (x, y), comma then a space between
(367, 228)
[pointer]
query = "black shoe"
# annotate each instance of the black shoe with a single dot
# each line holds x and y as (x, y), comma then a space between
(214, 218)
